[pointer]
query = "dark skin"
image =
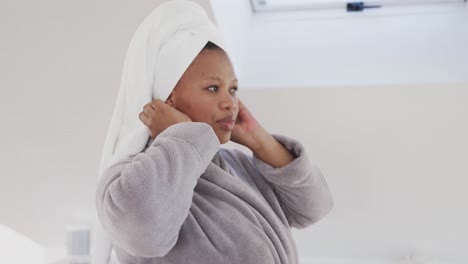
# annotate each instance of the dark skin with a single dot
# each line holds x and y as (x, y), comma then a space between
(207, 93)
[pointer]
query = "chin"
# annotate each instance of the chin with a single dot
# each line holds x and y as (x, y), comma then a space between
(224, 139)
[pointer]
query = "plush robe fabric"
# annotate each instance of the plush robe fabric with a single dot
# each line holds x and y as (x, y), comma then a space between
(186, 200)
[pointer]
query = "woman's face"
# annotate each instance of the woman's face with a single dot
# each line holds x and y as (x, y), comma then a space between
(206, 92)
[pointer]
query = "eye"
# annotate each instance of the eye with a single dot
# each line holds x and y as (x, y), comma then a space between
(234, 90)
(213, 90)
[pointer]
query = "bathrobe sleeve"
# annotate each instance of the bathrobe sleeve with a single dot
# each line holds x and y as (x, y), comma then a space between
(143, 201)
(300, 187)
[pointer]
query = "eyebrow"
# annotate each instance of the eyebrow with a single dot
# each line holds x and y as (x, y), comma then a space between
(219, 79)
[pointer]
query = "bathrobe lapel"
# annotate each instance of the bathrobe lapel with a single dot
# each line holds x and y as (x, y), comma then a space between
(217, 173)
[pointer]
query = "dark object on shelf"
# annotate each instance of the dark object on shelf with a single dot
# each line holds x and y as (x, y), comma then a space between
(358, 6)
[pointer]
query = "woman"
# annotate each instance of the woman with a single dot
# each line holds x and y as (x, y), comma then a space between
(181, 198)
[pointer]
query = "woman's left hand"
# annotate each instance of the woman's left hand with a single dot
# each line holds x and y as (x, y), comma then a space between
(247, 131)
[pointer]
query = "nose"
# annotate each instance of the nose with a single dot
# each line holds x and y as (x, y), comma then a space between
(228, 102)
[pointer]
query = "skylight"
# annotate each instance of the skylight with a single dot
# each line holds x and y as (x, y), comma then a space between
(350, 6)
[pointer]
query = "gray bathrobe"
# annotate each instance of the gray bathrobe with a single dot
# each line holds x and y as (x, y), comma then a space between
(186, 200)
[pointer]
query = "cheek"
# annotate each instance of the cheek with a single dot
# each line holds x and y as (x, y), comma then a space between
(186, 107)
(204, 110)
(194, 108)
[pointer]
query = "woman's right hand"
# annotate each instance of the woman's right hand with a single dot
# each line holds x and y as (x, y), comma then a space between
(158, 116)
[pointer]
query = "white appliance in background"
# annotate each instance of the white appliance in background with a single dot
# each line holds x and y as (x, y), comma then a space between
(78, 248)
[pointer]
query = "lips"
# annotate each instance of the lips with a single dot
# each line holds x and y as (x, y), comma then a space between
(226, 123)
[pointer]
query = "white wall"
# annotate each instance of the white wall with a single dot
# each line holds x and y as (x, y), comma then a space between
(388, 46)
(235, 17)
(395, 160)
(60, 64)
(393, 155)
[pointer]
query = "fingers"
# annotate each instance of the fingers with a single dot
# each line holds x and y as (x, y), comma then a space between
(149, 110)
(156, 104)
(153, 106)
(144, 118)
(156, 116)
